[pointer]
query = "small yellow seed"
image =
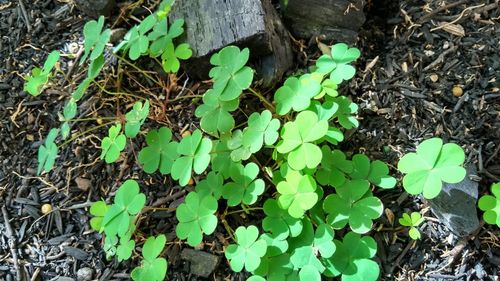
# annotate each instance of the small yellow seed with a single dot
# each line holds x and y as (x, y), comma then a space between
(457, 91)
(46, 208)
(434, 78)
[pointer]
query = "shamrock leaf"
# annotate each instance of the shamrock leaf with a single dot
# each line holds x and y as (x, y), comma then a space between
(245, 188)
(113, 144)
(297, 138)
(47, 152)
(128, 202)
(337, 63)
(345, 112)
(196, 216)
(491, 205)
(40, 77)
(109, 246)
(162, 35)
(353, 204)
(352, 259)
(160, 153)
(430, 165)
(279, 222)
(328, 88)
(296, 94)
(214, 113)
(98, 211)
(69, 110)
(171, 55)
(275, 264)
(221, 160)
(195, 155)
(230, 74)
(136, 40)
(261, 129)
(333, 167)
(239, 151)
(95, 39)
(135, 118)
(305, 248)
(375, 172)
(248, 251)
(126, 246)
(211, 185)
(297, 193)
(412, 221)
(152, 267)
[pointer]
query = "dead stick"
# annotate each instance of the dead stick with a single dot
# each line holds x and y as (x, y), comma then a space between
(438, 10)
(401, 256)
(12, 243)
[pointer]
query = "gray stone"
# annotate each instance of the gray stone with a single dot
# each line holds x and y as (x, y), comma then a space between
(62, 278)
(455, 206)
(96, 8)
(84, 274)
(337, 20)
(201, 263)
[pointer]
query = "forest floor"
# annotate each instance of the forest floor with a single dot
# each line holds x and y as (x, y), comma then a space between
(414, 53)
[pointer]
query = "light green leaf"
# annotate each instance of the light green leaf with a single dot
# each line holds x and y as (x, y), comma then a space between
(248, 251)
(296, 94)
(135, 118)
(113, 144)
(297, 193)
(160, 153)
(245, 187)
(47, 152)
(194, 154)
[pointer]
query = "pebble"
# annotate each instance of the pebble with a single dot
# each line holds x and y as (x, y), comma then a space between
(84, 274)
(457, 91)
(202, 263)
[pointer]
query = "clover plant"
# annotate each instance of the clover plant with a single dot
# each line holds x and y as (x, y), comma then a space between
(413, 221)
(490, 204)
(153, 268)
(160, 152)
(39, 77)
(95, 39)
(47, 152)
(246, 187)
(432, 164)
(135, 118)
(248, 251)
(113, 144)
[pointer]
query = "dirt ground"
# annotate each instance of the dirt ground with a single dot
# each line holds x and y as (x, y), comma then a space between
(413, 54)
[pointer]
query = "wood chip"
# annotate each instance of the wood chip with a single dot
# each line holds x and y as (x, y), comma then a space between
(83, 183)
(455, 29)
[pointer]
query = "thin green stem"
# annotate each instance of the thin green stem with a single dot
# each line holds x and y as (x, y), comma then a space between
(186, 97)
(117, 93)
(92, 119)
(244, 210)
(269, 105)
(84, 132)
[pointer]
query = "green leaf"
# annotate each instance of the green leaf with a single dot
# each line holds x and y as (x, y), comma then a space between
(152, 267)
(248, 251)
(221, 160)
(230, 74)
(303, 250)
(214, 113)
(296, 94)
(47, 152)
(239, 151)
(297, 193)
(69, 110)
(297, 138)
(328, 88)
(245, 187)
(353, 204)
(334, 166)
(98, 210)
(345, 112)
(195, 156)
(160, 153)
(432, 164)
(274, 267)
(279, 222)
(128, 202)
(171, 55)
(375, 172)
(40, 77)
(109, 246)
(491, 205)
(95, 68)
(95, 39)
(352, 259)
(126, 246)
(135, 118)
(337, 63)
(113, 144)
(196, 216)
(414, 219)
(211, 185)
(262, 128)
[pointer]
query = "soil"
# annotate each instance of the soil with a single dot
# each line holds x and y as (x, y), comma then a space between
(414, 53)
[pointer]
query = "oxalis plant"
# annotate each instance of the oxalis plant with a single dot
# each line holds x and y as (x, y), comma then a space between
(317, 203)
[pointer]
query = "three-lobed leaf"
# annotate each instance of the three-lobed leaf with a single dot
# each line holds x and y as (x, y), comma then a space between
(297, 193)
(95, 39)
(490, 204)
(196, 216)
(336, 64)
(135, 118)
(153, 268)
(47, 152)
(432, 164)
(40, 77)
(248, 251)
(113, 144)
(214, 113)
(194, 151)
(296, 94)
(246, 187)
(160, 153)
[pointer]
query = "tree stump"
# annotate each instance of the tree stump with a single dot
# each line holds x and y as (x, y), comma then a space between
(96, 8)
(332, 20)
(214, 24)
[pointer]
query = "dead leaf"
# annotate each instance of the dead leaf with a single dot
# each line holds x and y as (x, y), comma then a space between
(455, 29)
(83, 183)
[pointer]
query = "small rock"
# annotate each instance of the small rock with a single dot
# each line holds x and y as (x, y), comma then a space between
(457, 91)
(96, 8)
(84, 274)
(434, 78)
(83, 183)
(455, 206)
(202, 263)
(62, 278)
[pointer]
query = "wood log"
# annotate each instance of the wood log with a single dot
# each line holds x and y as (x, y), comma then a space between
(96, 8)
(331, 20)
(214, 24)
